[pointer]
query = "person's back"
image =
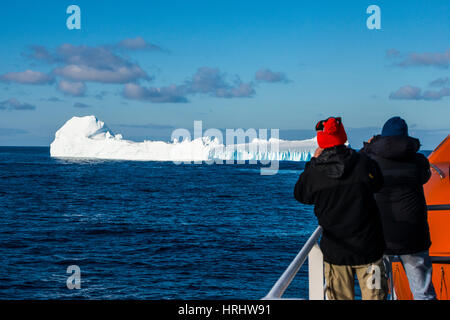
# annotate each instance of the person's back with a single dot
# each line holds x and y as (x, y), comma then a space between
(402, 202)
(340, 183)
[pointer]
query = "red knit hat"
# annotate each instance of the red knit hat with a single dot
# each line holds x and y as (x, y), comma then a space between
(330, 133)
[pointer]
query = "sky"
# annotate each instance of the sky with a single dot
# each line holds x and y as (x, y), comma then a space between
(148, 67)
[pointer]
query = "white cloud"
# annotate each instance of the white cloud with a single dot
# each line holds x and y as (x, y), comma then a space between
(81, 105)
(76, 89)
(266, 75)
(211, 81)
(427, 59)
(137, 43)
(27, 77)
(14, 104)
(415, 93)
(170, 94)
(85, 63)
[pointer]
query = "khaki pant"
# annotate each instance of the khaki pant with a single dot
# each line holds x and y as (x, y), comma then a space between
(340, 281)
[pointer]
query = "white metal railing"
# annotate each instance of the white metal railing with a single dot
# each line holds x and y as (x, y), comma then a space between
(311, 251)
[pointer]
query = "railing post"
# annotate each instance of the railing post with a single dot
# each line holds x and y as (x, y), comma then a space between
(315, 273)
(283, 282)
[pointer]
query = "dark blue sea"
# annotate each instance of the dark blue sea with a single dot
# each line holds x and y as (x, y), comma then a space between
(146, 230)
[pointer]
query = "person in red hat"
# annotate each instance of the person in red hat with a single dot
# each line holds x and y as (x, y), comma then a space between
(341, 183)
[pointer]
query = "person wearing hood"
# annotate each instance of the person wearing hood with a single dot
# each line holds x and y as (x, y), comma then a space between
(341, 183)
(402, 203)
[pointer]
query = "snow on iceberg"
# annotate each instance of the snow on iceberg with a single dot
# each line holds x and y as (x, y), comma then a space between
(87, 137)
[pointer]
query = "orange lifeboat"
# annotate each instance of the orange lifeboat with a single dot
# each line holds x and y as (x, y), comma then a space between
(437, 193)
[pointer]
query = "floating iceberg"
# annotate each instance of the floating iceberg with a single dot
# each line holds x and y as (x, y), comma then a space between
(87, 137)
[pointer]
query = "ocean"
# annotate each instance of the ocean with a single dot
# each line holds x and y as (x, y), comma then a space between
(146, 230)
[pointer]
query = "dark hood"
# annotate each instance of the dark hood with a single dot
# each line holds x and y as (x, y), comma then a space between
(335, 162)
(393, 147)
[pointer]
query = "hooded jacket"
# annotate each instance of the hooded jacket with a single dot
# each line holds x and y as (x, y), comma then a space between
(401, 201)
(341, 183)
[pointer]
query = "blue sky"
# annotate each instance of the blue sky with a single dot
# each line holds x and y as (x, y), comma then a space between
(144, 67)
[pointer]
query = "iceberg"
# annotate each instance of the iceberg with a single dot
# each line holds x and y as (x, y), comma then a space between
(88, 137)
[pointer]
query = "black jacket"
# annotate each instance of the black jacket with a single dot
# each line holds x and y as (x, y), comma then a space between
(401, 201)
(340, 183)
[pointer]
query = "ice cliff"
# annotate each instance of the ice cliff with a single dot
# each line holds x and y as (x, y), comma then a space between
(88, 137)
